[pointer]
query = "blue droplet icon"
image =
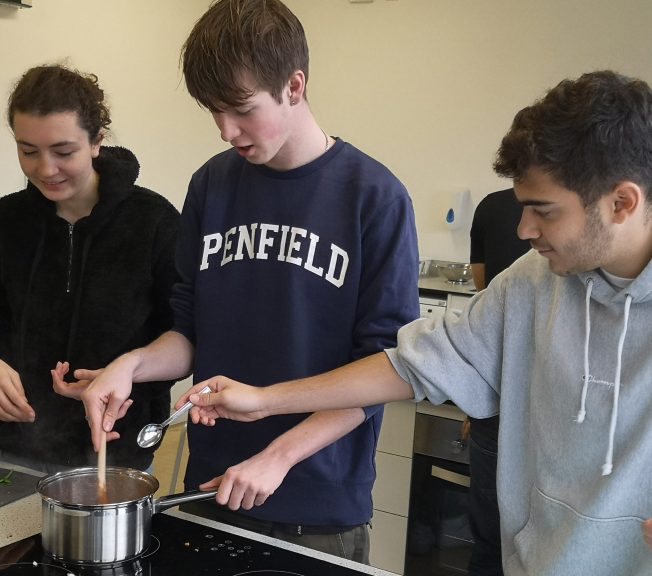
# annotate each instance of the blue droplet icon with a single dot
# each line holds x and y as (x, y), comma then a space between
(450, 216)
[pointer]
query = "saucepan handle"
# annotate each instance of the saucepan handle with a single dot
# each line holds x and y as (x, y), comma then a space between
(166, 502)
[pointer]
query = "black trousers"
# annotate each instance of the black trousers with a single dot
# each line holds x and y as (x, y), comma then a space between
(486, 558)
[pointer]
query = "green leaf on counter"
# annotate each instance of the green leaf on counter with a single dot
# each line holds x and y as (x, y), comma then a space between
(6, 479)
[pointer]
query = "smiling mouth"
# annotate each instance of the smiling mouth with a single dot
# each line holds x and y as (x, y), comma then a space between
(541, 249)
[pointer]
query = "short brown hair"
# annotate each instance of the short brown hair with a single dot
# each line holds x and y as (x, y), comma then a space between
(260, 37)
(44, 90)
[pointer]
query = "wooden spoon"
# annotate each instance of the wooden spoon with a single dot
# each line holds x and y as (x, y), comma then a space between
(102, 496)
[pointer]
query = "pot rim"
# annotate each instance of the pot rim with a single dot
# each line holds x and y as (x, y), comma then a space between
(46, 481)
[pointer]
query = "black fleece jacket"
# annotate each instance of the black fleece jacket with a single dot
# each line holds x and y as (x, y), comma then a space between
(84, 293)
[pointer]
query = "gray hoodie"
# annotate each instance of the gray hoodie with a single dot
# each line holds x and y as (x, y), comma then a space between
(567, 361)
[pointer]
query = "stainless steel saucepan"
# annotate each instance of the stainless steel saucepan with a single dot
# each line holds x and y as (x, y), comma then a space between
(78, 529)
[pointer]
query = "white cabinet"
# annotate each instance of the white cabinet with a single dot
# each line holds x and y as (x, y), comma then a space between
(430, 306)
(388, 541)
(391, 493)
(397, 432)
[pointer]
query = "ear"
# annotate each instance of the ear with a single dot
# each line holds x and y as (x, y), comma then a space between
(296, 87)
(95, 146)
(626, 199)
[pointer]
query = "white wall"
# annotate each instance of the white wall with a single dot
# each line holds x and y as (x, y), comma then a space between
(428, 87)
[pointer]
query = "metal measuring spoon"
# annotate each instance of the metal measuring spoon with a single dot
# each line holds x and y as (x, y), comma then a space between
(151, 434)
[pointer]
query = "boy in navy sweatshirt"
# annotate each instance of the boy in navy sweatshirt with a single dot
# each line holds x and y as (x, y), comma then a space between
(297, 254)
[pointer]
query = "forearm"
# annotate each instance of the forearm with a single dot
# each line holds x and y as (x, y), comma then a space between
(169, 357)
(314, 433)
(477, 271)
(371, 380)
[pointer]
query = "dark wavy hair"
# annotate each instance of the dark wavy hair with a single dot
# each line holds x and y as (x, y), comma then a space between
(589, 134)
(44, 90)
(260, 37)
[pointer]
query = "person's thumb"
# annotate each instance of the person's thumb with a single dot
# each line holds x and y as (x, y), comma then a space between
(84, 374)
(211, 484)
(206, 399)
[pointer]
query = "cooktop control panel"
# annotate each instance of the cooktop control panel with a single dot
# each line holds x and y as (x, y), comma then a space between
(177, 547)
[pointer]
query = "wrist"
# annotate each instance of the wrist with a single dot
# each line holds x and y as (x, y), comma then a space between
(269, 401)
(283, 451)
(131, 362)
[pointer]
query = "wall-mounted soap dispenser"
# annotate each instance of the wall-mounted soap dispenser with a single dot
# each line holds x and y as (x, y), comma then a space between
(460, 209)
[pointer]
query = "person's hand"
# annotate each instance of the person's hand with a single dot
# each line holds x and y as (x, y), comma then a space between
(249, 483)
(466, 430)
(71, 389)
(106, 398)
(230, 399)
(14, 406)
(647, 532)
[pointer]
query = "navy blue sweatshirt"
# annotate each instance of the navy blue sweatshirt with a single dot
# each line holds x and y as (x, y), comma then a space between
(286, 275)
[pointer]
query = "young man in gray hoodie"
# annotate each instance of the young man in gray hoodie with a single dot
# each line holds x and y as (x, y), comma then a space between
(559, 343)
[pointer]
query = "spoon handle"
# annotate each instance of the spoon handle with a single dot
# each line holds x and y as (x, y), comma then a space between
(187, 406)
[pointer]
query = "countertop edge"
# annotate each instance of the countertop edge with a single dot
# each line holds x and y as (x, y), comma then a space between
(440, 284)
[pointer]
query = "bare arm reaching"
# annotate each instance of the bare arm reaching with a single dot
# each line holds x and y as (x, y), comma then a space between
(371, 380)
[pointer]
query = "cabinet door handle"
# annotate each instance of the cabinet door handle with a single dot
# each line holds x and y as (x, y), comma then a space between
(458, 446)
(449, 476)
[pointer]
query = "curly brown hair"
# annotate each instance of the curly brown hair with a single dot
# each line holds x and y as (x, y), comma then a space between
(589, 134)
(49, 89)
(235, 37)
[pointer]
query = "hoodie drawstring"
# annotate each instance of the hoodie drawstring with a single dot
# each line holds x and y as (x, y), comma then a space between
(608, 463)
(587, 333)
(607, 467)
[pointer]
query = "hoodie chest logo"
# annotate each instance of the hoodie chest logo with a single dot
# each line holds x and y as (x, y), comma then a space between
(593, 380)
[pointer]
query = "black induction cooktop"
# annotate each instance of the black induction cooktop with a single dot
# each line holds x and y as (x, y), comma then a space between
(178, 547)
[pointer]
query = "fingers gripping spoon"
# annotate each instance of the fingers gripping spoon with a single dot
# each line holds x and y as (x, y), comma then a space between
(151, 434)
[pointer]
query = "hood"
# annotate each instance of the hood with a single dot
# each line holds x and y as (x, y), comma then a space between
(118, 170)
(640, 289)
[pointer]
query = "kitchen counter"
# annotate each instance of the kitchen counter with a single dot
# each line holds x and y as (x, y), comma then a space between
(22, 518)
(440, 284)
